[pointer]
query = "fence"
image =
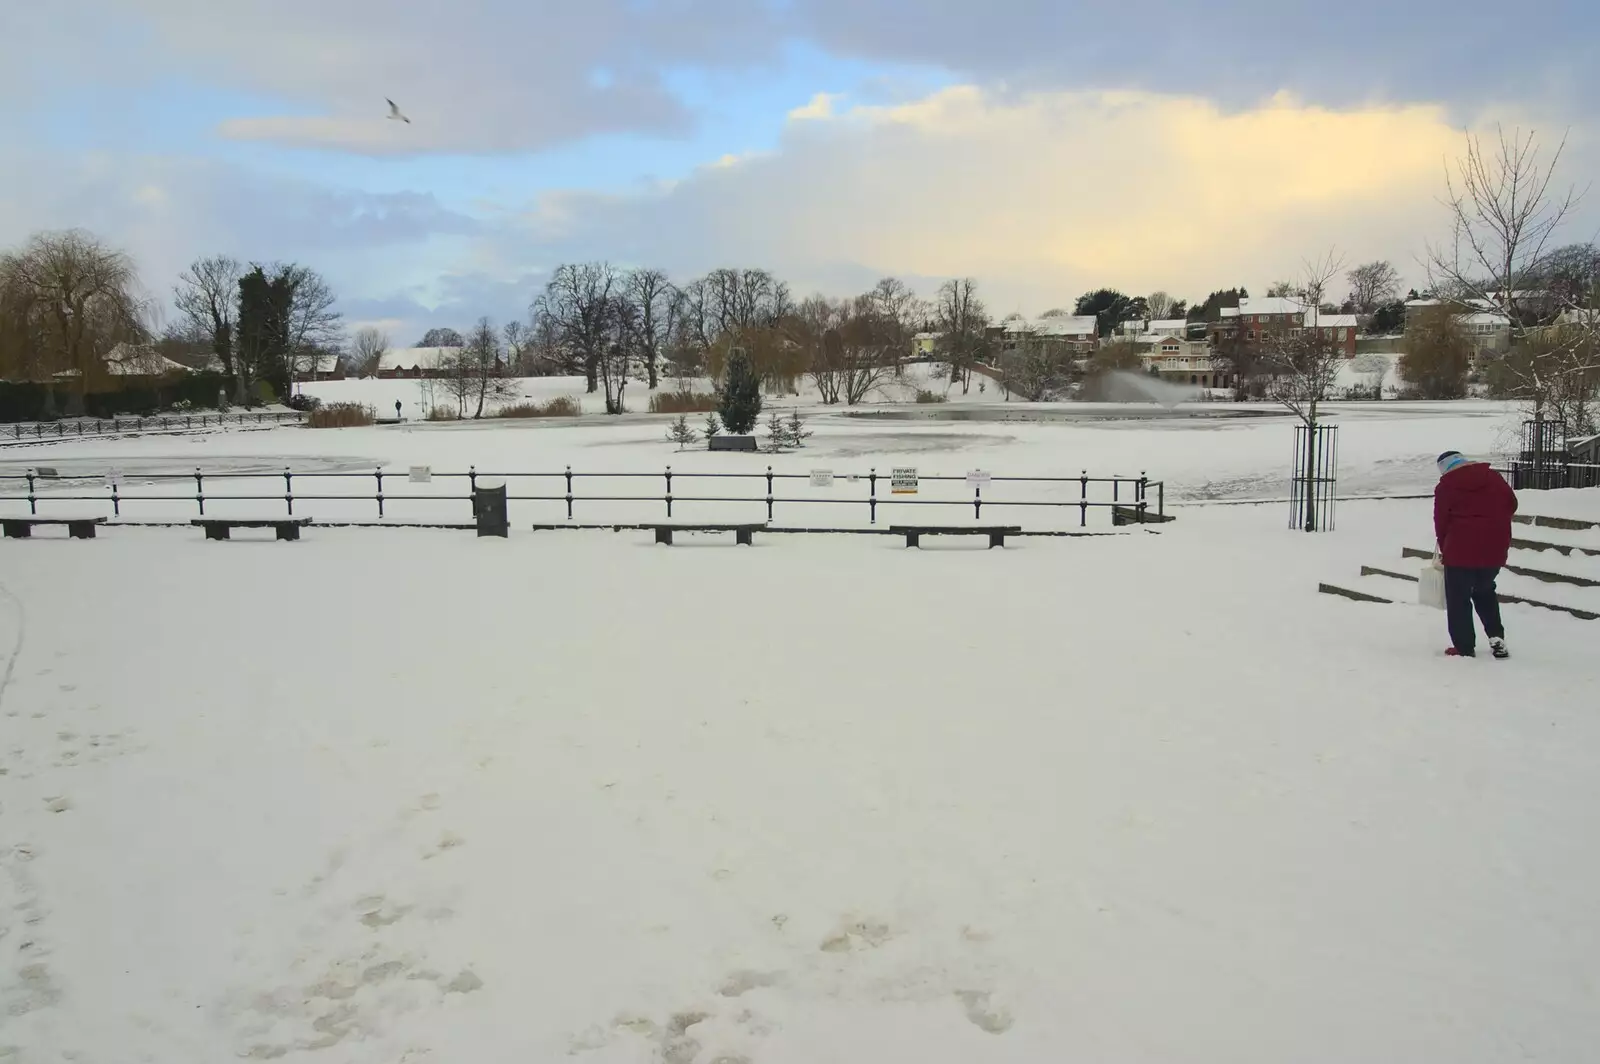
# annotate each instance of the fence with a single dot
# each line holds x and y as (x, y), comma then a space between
(1545, 475)
(562, 495)
(55, 430)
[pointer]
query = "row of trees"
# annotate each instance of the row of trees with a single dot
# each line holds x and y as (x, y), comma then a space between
(69, 304)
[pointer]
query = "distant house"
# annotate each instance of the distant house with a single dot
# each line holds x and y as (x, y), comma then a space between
(140, 360)
(1489, 330)
(1140, 329)
(1068, 333)
(416, 362)
(1255, 319)
(319, 367)
(1182, 361)
(924, 344)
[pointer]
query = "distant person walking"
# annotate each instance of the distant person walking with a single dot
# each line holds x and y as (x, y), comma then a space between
(397, 415)
(1472, 509)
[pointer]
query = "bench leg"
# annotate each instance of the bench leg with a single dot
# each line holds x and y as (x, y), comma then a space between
(744, 536)
(664, 535)
(914, 539)
(18, 530)
(288, 531)
(216, 531)
(997, 539)
(81, 530)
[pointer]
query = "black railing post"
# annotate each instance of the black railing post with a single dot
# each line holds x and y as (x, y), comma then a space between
(872, 495)
(1083, 499)
(80, 428)
(977, 502)
(569, 493)
(1143, 489)
(116, 500)
(199, 491)
(379, 474)
(288, 490)
(472, 477)
(769, 493)
(669, 491)
(33, 503)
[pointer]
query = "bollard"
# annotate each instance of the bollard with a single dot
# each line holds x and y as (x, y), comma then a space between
(489, 507)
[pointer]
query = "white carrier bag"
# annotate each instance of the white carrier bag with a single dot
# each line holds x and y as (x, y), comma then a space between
(1430, 588)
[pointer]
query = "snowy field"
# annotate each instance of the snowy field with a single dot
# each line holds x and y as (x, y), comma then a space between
(408, 795)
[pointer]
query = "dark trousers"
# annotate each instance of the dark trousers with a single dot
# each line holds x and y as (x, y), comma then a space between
(1466, 590)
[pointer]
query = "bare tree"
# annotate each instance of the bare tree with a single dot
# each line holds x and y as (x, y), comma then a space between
(1160, 304)
(1505, 209)
(207, 297)
(74, 299)
(963, 321)
(901, 315)
(1371, 284)
(655, 299)
(578, 302)
(518, 341)
(622, 350)
(1302, 362)
(367, 348)
(315, 327)
(482, 363)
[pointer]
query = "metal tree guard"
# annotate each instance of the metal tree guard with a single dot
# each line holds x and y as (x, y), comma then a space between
(1313, 483)
(1543, 459)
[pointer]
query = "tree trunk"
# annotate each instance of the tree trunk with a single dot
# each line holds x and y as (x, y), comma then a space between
(650, 368)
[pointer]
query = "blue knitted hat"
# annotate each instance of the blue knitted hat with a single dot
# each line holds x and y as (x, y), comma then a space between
(1450, 460)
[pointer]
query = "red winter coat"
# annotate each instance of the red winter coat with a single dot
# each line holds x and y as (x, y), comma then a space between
(1472, 508)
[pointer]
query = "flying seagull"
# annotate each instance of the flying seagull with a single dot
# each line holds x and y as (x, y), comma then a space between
(394, 112)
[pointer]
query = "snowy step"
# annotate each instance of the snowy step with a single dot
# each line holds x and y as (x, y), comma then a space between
(1354, 596)
(1566, 549)
(1517, 564)
(1569, 524)
(1512, 590)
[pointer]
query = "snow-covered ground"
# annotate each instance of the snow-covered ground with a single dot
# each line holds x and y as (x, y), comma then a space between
(409, 795)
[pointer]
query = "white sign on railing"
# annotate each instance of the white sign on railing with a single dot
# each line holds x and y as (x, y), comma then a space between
(978, 478)
(903, 481)
(421, 474)
(822, 478)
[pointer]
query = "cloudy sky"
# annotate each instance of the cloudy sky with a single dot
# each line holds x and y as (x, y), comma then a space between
(1042, 146)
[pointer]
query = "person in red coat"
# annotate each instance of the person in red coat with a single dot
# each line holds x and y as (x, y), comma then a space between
(1472, 508)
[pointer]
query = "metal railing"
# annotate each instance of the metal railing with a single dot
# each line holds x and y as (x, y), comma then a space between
(1548, 475)
(1137, 497)
(75, 427)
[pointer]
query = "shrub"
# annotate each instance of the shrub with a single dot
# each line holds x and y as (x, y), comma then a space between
(443, 413)
(925, 396)
(682, 402)
(561, 406)
(341, 416)
(304, 403)
(266, 395)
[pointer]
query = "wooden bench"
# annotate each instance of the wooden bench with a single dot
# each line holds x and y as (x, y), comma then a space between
(732, 443)
(219, 527)
(743, 534)
(997, 533)
(77, 527)
(1131, 515)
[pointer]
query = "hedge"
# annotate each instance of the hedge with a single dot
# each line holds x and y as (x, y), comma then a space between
(32, 402)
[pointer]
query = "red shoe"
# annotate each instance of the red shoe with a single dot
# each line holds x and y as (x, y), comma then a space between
(1454, 653)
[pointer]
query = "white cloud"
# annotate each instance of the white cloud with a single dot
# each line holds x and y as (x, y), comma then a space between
(1044, 195)
(819, 106)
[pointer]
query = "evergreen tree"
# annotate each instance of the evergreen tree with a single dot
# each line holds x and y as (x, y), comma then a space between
(680, 433)
(741, 394)
(796, 427)
(777, 433)
(712, 428)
